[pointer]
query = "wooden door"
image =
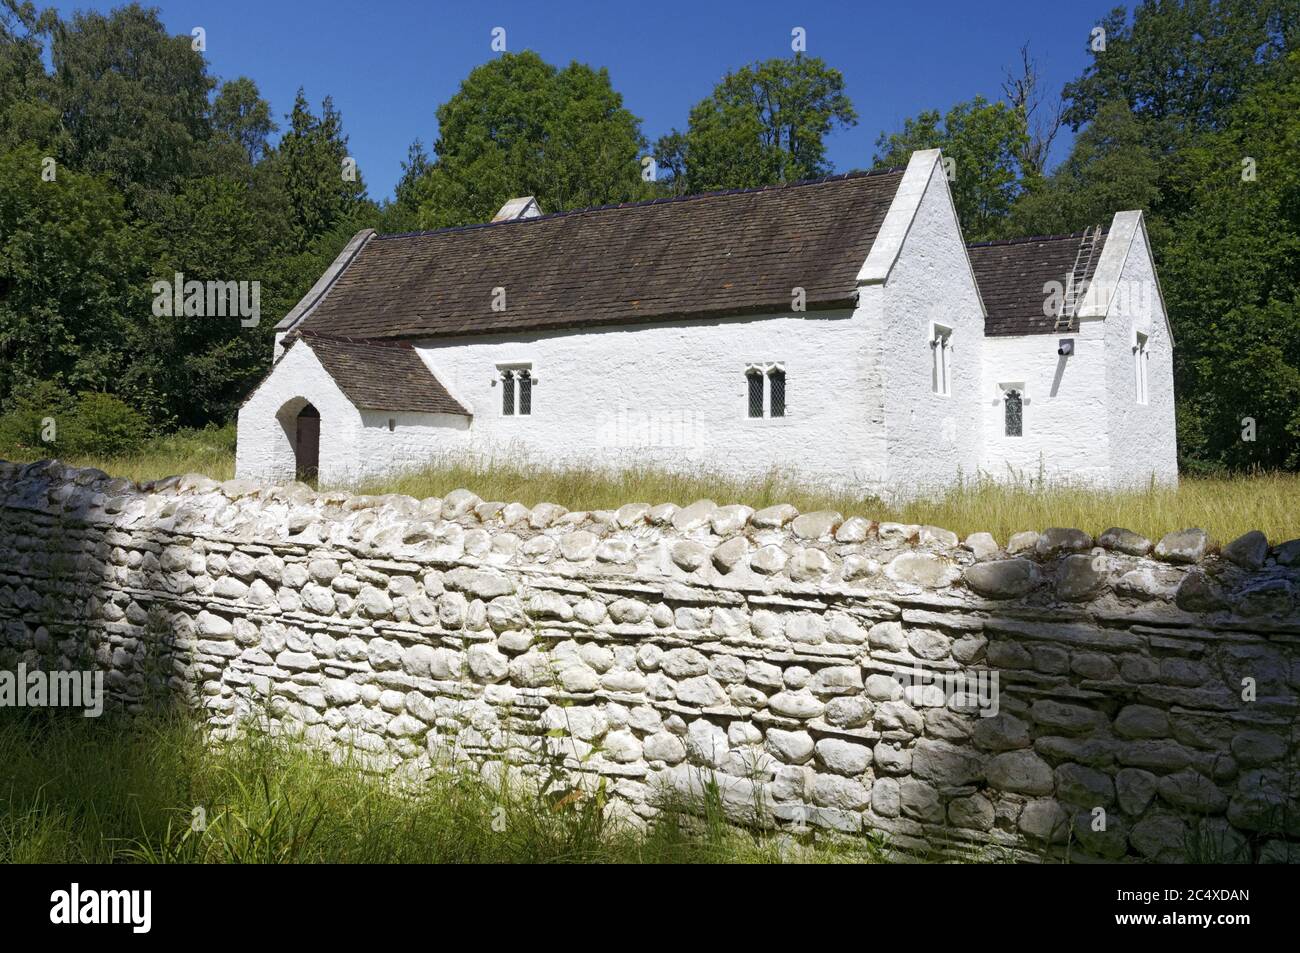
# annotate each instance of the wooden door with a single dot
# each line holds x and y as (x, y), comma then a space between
(307, 446)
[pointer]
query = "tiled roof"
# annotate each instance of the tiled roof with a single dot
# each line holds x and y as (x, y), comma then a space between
(382, 376)
(717, 254)
(1011, 275)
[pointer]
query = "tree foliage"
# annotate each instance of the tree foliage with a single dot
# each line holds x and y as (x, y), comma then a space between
(116, 171)
(123, 162)
(1232, 278)
(765, 123)
(983, 143)
(520, 126)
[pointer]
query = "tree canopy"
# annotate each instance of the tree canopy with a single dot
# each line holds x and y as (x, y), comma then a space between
(520, 126)
(124, 161)
(765, 123)
(982, 143)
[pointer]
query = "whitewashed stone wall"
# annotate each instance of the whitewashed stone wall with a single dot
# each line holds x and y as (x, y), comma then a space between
(1065, 432)
(354, 444)
(1143, 441)
(932, 439)
(655, 647)
(1082, 419)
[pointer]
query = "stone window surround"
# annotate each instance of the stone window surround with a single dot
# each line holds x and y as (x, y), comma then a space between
(1141, 357)
(941, 367)
(1003, 389)
(766, 369)
(513, 368)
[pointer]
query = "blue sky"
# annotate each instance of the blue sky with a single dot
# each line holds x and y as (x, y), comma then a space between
(390, 63)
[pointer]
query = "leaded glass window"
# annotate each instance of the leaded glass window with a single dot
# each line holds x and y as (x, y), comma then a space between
(1014, 413)
(525, 392)
(755, 393)
(508, 393)
(776, 395)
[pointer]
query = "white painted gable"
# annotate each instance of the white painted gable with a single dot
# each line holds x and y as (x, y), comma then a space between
(902, 393)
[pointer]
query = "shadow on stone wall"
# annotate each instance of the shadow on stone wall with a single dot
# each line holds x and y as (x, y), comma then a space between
(1058, 697)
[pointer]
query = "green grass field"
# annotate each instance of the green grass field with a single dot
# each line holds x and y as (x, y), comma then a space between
(1224, 506)
(130, 790)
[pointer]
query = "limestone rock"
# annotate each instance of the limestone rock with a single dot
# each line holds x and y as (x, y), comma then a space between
(1002, 578)
(938, 536)
(706, 743)
(729, 554)
(1080, 577)
(792, 747)
(974, 812)
(1083, 786)
(1193, 792)
(1021, 772)
(1182, 546)
(664, 746)
(631, 514)
(982, 545)
(922, 569)
(1134, 788)
(479, 583)
(578, 546)
(774, 517)
(944, 763)
(695, 516)
(689, 555)
(545, 514)
(1024, 542)
(703, 690)
(727, 520)
(1057, 540)
(1288, 553)
(457, 503)
(1044, 819)
(855, 529)
(858, 566)
(809, 565)
(800, 704)
(486, 664)
(768, 560)
(822, 523)
(1001, 732)
(1196, 593)
(1124, 541)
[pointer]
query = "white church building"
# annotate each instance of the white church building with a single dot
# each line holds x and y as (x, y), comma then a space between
(840, 331)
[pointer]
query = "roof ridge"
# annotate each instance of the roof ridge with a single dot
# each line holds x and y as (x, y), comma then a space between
(1036, 238)
(663, 200)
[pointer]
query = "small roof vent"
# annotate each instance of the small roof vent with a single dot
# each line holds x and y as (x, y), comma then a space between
(524, 207)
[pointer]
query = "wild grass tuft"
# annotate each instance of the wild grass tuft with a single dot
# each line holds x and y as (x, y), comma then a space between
(1225, 506)
(117, 789)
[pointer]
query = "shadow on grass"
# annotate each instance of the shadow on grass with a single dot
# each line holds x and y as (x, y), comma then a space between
(151, 789)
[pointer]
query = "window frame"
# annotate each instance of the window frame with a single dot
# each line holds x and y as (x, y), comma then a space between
(774, 373)
(1005, 390)
(765, 372)
(1141, 364)
(509, 375)
(941, 359)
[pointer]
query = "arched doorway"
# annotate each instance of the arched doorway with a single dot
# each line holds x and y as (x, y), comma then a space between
(306, 444)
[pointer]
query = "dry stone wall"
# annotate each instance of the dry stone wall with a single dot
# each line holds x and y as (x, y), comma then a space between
(1106, 699)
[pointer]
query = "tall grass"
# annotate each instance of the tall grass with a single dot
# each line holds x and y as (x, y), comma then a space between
(1225, 506)
(210, 450)
(112, 790)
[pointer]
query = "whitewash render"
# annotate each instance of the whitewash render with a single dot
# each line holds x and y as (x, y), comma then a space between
(839, 330)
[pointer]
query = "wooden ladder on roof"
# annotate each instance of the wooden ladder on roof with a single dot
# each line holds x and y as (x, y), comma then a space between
(1075, 286)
